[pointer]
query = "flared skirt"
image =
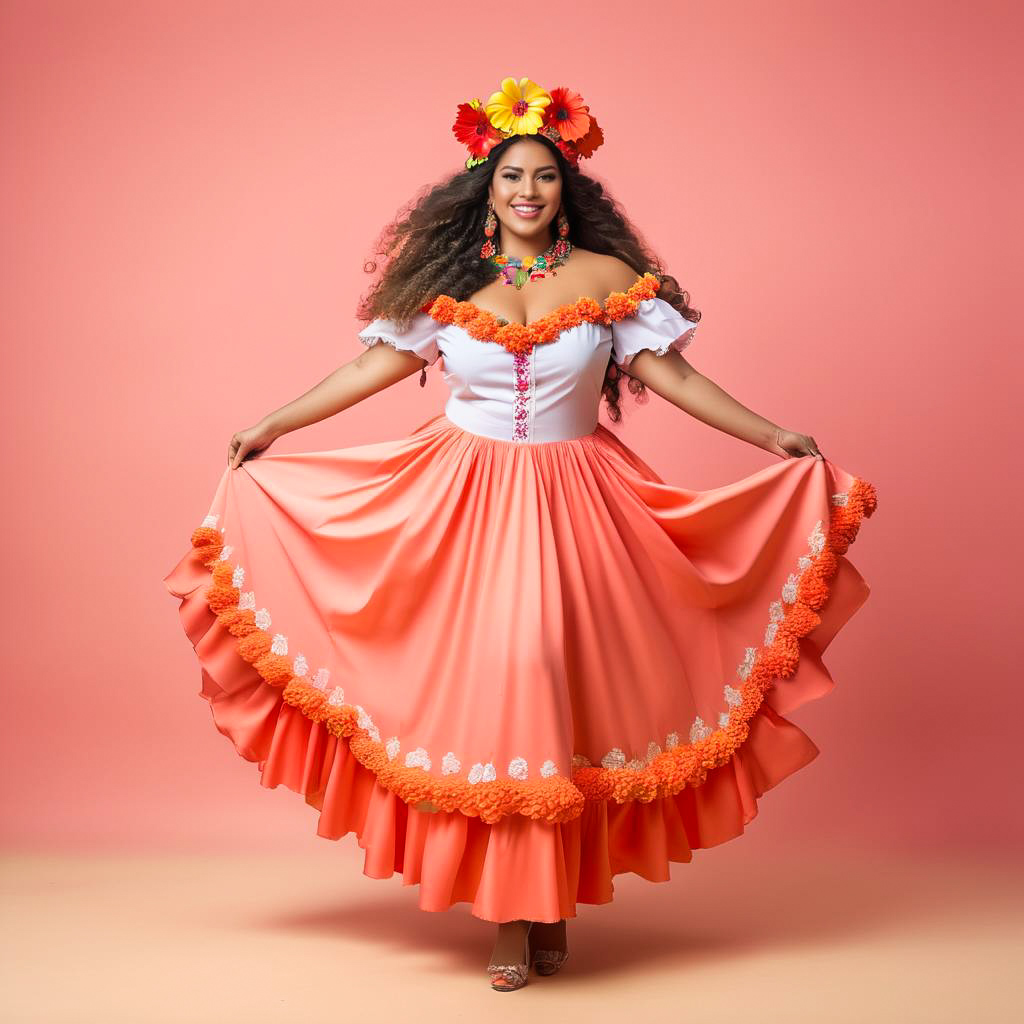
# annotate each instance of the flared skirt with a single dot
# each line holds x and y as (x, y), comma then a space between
(516, 670)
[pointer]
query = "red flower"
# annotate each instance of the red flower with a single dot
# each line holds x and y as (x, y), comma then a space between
(568, 113)
(473, 128)
(569, 151)
(594, 137)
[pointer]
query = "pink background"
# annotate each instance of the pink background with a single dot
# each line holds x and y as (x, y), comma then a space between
(189, 191)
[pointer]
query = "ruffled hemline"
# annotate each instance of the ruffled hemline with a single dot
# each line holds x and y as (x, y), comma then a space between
(571, 837)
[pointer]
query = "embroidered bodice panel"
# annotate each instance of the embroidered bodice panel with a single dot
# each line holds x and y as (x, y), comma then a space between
(527, 390)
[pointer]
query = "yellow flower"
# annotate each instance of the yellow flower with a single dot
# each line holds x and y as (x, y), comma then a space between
(518, 108)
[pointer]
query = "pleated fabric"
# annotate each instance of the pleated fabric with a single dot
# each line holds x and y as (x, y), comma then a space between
(516, 670)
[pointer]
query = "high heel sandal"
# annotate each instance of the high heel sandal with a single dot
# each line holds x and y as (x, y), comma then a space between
(513, 974)
(549, 961)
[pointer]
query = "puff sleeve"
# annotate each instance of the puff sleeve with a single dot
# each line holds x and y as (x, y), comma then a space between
(419, 337)
(656, 325)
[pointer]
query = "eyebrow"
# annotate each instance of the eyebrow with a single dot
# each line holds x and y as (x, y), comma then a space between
(546, 167)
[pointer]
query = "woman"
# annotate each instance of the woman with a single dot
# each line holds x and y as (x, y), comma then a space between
(501, 649)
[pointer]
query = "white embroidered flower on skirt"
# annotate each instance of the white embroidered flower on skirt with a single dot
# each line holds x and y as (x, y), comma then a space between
(418, 758)
(816, 539)
(747, 663)
(615, 758)
(482, 773)
(518, 768)
(700, 730)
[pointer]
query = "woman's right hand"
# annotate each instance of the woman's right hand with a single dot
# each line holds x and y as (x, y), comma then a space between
(250, 443)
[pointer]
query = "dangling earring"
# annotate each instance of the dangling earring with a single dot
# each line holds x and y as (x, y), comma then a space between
(563, 224)
(490, 226)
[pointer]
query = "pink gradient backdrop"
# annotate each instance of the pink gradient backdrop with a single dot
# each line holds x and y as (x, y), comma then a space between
(189, 191)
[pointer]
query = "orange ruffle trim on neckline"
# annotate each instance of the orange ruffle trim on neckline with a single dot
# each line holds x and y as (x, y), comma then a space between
(553, 799)
(487, 326)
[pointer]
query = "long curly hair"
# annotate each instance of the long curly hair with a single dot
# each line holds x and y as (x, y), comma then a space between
(432, 247)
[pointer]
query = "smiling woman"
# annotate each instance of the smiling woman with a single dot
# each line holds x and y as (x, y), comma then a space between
(500, 649)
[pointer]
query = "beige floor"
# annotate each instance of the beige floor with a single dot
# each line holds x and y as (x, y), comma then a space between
(737, 935)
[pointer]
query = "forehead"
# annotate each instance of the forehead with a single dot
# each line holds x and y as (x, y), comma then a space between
(528, 155)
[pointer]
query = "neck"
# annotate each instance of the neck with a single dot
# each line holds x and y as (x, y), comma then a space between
(524, 248)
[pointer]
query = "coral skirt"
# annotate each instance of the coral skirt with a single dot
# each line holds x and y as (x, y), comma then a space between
(516, 670)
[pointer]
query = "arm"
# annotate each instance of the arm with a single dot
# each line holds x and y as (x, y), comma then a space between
(672, 377)
(373, 370)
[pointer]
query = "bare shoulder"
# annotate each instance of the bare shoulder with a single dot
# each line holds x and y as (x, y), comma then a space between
(614, 274)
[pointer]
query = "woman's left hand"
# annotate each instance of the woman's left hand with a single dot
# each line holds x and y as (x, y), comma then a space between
(789, 445)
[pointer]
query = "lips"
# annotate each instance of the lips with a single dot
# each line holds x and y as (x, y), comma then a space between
(528, 210)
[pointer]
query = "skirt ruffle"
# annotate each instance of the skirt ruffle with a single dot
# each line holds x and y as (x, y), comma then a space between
(575, 540)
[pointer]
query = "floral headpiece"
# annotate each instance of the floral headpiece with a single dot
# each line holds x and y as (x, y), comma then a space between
(524, 108)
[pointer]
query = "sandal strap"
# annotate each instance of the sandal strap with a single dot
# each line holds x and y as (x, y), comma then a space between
(551, 956)
(513, 973)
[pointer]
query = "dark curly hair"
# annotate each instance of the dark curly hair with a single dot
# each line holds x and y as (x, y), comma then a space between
(433, 247)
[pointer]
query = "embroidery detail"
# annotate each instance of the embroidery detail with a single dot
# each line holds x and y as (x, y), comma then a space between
(615, 758)
(521, 419)
(553, 797)
(517, 768)
(700, 730)
(418, 758)
(481, 773)
(520, 338)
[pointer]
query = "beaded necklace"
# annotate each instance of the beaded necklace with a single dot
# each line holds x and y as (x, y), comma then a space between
(517, 272)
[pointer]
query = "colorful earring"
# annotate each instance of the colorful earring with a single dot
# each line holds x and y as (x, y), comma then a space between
(490, 226)
(563, 224)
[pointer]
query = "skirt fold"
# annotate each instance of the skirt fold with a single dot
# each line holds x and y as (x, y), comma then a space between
(514, 671)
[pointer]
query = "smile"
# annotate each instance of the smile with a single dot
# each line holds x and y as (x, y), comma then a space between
(527, 210)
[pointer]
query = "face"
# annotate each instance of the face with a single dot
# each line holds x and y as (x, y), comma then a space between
(526, 189)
